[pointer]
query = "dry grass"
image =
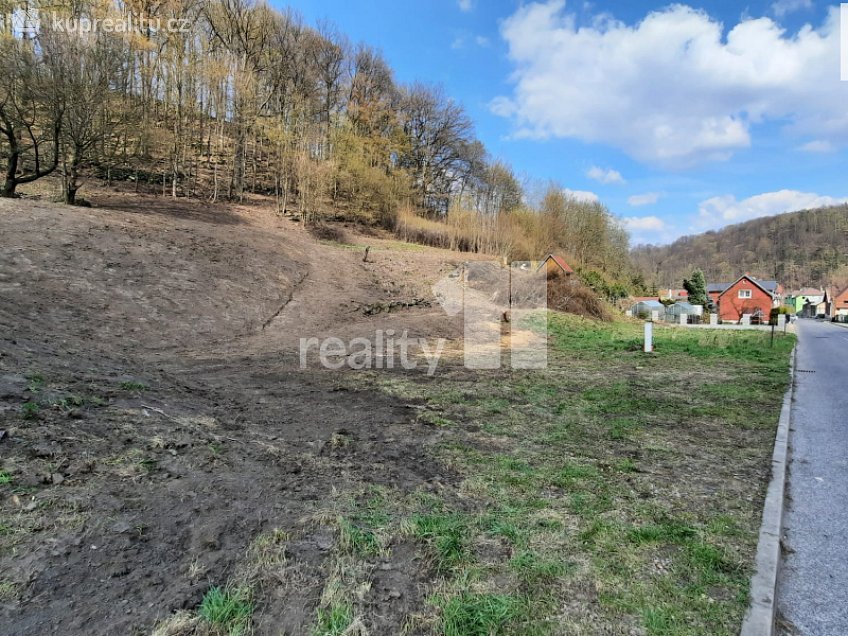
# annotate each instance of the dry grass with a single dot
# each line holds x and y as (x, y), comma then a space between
(518, 235)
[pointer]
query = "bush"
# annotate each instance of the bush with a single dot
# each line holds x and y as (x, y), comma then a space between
(570, 296)
(326, 232)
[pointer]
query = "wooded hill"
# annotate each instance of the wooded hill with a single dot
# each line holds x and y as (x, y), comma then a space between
(798, 249)
(244, 99)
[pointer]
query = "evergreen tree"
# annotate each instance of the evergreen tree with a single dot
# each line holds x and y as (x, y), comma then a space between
(697, 288)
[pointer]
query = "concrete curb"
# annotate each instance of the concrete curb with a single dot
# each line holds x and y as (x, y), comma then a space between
(762, 612)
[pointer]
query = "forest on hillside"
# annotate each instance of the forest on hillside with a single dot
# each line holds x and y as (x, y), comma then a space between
(798, 249)
(222, 99)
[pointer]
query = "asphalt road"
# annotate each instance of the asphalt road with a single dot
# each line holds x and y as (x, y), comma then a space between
(813, 587)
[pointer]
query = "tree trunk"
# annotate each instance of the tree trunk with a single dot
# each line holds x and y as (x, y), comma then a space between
(71, 178)
(10, 183)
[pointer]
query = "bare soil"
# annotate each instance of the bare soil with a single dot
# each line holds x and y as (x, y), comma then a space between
(160, 340)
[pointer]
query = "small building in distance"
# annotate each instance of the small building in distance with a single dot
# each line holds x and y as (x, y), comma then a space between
(645, 309)
(747, 296)
(556, 266)
(816, 307)
(840, 306)
(796, 300)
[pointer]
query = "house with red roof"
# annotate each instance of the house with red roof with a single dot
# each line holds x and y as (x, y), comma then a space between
(840, 305)
(747, 296)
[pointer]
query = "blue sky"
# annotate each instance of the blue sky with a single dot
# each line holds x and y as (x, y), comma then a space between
(680, 118)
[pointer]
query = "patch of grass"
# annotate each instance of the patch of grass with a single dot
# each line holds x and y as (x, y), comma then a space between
(30, 411)
(669, 531)
(148, 464)
(531, 568)
(630, 475)
(131, 385)
(227, 609)
(572, 474)
(8, 591)
(356, 540)
(334, 620)
(36, 382)
(373, 510)
(447, 535)
(660, 622)
(710, 561)
(470, 614)
(499, 526)
(429, 417)
(626, 465)
(68, 402)
(5, 478)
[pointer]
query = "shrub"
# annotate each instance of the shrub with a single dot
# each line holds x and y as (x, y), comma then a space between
(570, 296)
(326, 232)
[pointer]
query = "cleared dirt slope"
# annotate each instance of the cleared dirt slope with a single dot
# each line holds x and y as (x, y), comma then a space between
(171, 427)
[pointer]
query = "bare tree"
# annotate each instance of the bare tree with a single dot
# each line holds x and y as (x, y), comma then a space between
(88, 67)
(31, 112)
(437, 129)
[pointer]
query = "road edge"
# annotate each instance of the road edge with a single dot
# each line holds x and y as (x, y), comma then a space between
(762, 610)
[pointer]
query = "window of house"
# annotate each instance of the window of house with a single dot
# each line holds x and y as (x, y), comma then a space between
(744, 293)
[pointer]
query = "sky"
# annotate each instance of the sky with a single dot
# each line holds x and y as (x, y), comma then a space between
(680, 118)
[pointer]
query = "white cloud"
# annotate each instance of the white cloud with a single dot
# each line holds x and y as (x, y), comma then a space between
(675, 89)
(819, 145)
(784, 7)
(465, 5)
(605, 176)
(481, 41)
(723, 210)
(581, 195)
(643, 223)
(649, 198)
(503, 106)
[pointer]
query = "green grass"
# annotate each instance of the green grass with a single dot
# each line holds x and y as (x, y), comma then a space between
(334, 620)
(469, 614)
(36, 382)
(357, 540)
(446, 535)
(30, 411)
(5, 478)
(625, 481)
(131, 385)
(671, 531)
(535, 569)
(148, 464)
(227, 609)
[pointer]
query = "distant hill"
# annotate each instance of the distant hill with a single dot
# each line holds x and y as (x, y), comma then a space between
(803, 248)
